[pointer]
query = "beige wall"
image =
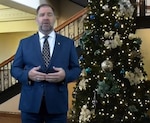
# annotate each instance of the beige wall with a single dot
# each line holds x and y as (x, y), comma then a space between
(18, 26)
(144, 34)
(11, 105)
(9, 43)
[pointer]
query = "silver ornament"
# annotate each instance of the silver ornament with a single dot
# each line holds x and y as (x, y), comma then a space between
(107, 65)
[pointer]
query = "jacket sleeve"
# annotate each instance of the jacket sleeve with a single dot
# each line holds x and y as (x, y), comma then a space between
(73, 71)
(17, 68)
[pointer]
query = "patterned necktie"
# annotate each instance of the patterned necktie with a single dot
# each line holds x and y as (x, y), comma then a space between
(46, 51)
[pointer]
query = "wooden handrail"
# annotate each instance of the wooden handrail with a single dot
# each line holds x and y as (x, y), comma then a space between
(6, 61)
(71, 19)
(147, 7)
(12, 114)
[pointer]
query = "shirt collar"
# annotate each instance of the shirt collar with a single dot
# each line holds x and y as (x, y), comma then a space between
(52, 34)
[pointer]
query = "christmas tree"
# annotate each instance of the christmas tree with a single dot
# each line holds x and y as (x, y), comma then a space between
(113, 86)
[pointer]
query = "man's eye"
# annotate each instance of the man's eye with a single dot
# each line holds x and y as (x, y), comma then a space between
(41, 15)
(49, 14)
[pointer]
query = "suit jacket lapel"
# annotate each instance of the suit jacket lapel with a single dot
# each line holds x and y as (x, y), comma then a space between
(57, 48)
(38, 49)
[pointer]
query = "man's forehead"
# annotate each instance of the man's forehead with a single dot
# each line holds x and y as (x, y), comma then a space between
(45, 8)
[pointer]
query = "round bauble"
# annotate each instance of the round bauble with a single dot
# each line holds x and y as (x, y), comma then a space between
(107, 65)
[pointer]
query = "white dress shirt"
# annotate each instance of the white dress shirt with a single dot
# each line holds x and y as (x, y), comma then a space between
(51, 41)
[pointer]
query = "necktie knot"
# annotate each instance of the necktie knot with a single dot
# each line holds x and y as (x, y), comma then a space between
(46, 37)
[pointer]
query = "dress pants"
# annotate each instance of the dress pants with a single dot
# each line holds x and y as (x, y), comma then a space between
(43, 116)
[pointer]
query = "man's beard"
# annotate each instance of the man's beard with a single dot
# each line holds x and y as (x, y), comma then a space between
(46, 29)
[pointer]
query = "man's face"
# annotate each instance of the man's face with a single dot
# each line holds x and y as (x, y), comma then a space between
(45, 19)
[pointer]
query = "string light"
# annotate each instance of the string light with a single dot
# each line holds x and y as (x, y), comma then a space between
(118, 94)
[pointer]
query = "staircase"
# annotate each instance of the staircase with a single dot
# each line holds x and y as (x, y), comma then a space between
(72, 28)
(143, 14)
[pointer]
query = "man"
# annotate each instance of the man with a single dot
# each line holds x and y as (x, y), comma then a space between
(44, 94)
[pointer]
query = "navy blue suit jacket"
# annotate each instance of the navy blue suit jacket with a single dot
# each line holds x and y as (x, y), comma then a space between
(29, 55)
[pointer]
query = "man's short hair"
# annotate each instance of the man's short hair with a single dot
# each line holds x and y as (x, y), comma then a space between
(43, 5)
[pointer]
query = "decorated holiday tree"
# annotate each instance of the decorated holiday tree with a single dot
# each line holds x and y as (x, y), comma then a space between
(113, 86)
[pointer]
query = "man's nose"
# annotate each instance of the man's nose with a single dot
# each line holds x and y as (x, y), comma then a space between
(46, 16)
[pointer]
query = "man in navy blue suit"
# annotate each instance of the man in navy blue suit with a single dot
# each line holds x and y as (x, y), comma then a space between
(44, 93)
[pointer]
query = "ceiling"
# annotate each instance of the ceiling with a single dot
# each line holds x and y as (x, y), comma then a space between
(11, 11)
(12, 14)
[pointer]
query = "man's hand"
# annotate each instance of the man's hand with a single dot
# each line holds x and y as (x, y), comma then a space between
(57, 76)
(35, 75)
